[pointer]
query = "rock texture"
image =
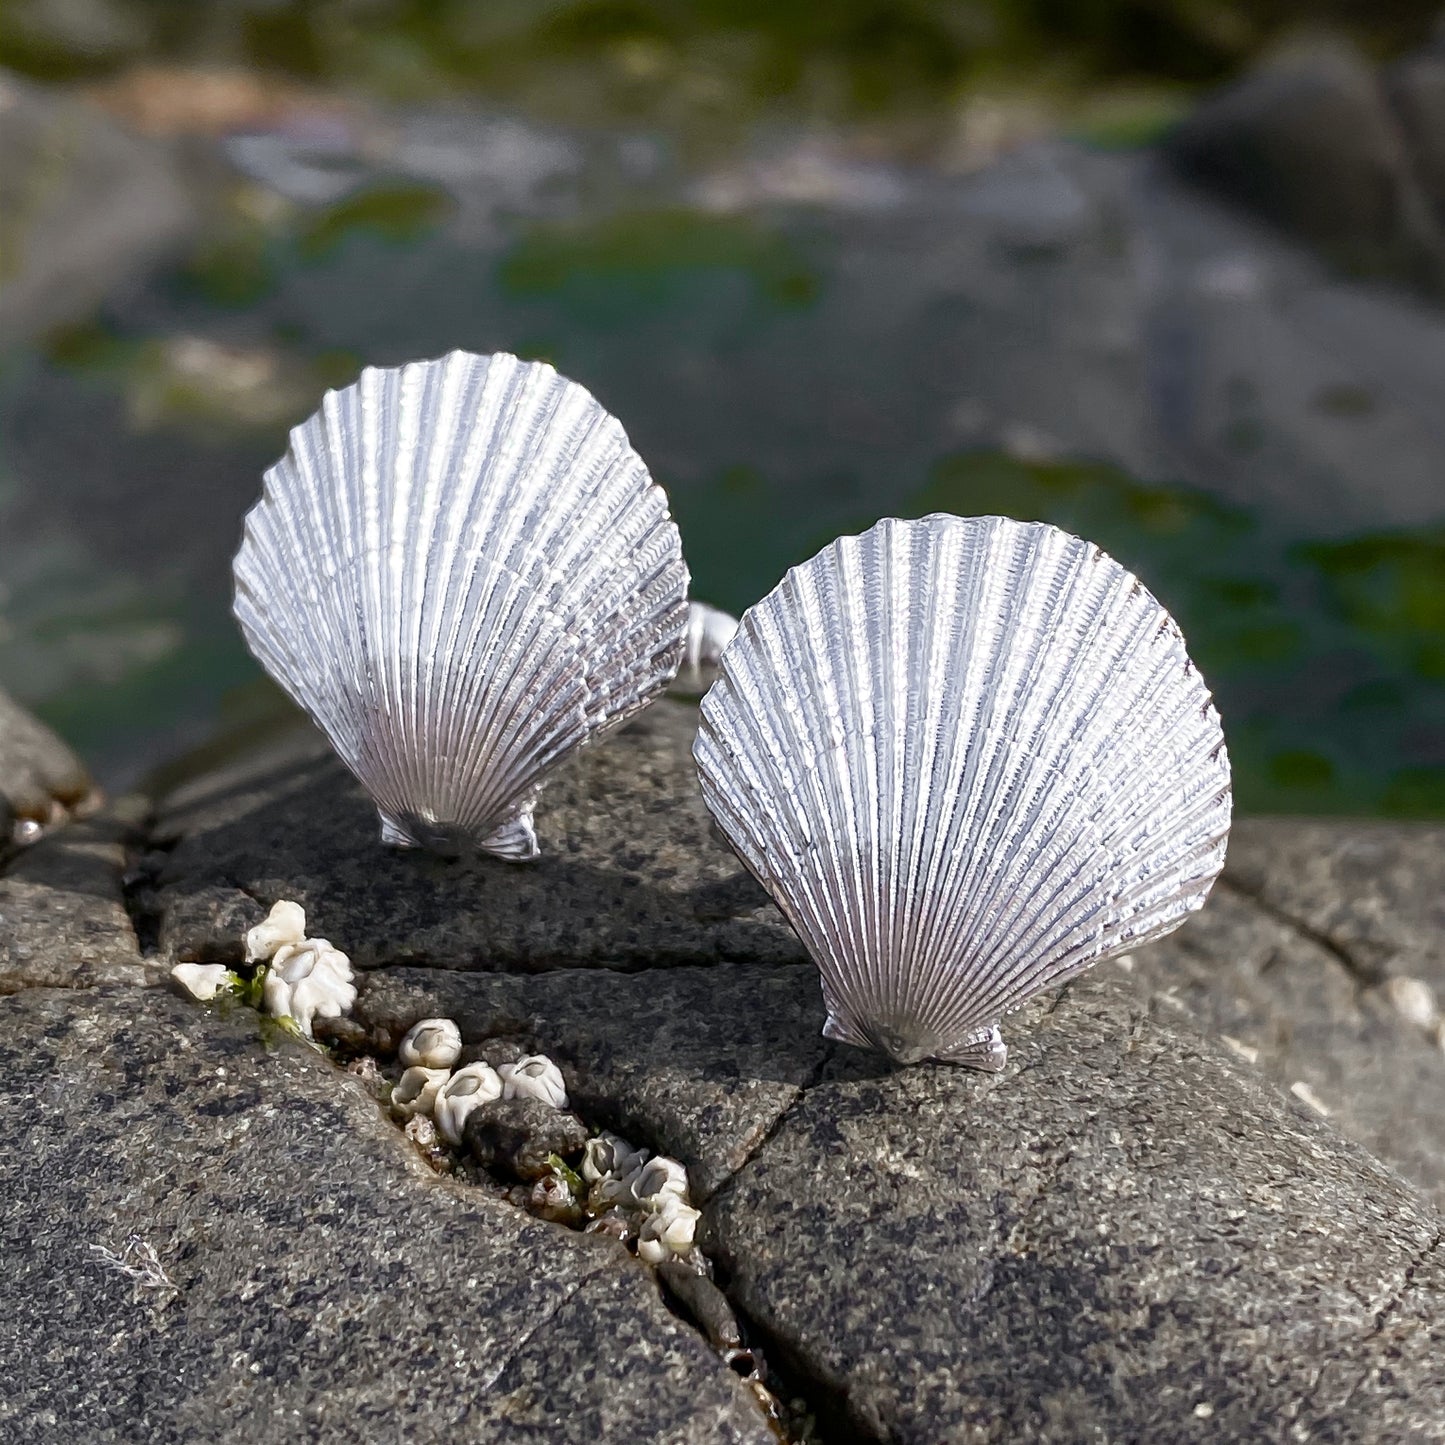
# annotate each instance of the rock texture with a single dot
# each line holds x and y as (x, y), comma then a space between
(310, 1279)
(632, 872)
(1372, 894)
(1123, 1237)
(63, 918)
(1316, 142)
(1145, 1228)
(40, 778)
(698, 1063)
(1308, 960)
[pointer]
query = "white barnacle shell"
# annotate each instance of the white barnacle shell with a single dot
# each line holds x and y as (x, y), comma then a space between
(968, 758)
(670, 1229)
(467, 1088)
(608, 1156)
(308, 980)
(417, 1089)
(659, 1179)
(462, 571)
(204, 981)
(534, 1076)
(433, 1043)
(285, 923)
(709, 630)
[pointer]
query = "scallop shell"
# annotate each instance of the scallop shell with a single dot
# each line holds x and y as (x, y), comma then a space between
(462, 571)
(968, 758)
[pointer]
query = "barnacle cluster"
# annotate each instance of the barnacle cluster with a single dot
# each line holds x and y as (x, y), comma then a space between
(497, 1115)
(456, 1113)
(295, 978)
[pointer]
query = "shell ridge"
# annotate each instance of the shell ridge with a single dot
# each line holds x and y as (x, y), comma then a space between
(950, 695)
(857, 793)
(1050, 940)
(861, 861)
(1068, 654)
(984, 572)
(764, 768)
(438, 525)
(818, 906)
(967, 759)
(499, 715)
(1019, 778)
(364, 574)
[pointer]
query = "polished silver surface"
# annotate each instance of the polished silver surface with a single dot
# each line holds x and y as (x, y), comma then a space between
(462, 571)
(968, 758)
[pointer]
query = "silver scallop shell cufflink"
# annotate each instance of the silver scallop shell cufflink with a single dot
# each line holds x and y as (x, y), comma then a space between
(463, 572)
(968, 758)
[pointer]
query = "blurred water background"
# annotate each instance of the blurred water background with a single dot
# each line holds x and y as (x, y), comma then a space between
(826, 262)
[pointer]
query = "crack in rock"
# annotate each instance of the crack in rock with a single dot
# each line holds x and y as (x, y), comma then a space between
(1365, 975)
(783, 1115)
(519, 1345)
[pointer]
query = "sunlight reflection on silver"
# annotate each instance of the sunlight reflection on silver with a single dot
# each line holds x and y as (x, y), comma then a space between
(462, 571)
(968, 758)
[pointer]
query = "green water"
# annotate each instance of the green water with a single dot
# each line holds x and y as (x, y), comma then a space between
(1327, 658)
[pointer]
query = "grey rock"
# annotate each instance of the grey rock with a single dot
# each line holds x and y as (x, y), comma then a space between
(1309, 142)
(310, 1275)
(1291, 963)
(1415, 87)
(698, 1063)
(704, 1302)
(1094, 1241)
(517, 1136)
(1129, 1233)
(632, 872)
(1374, 893)
(1122, 1236)
(41, 780)
(83, 206)
(63, 917)
(1264, 965)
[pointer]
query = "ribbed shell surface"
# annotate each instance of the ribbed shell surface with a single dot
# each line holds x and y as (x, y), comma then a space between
(462, 571)
(968, 758)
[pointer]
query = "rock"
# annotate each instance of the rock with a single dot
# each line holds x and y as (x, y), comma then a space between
(1135, 1195)
(62, 909)
(706, 1304)
(632, 872)
(63, 917)
(517, 1136)
(1296, 960)
(1415, 88)
(1129, 1233)
(1309, 142)
(1122, 1236)
(41, 780)
(213, 1232)
(1372, 893)
(85, 206)
(694, 1062)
